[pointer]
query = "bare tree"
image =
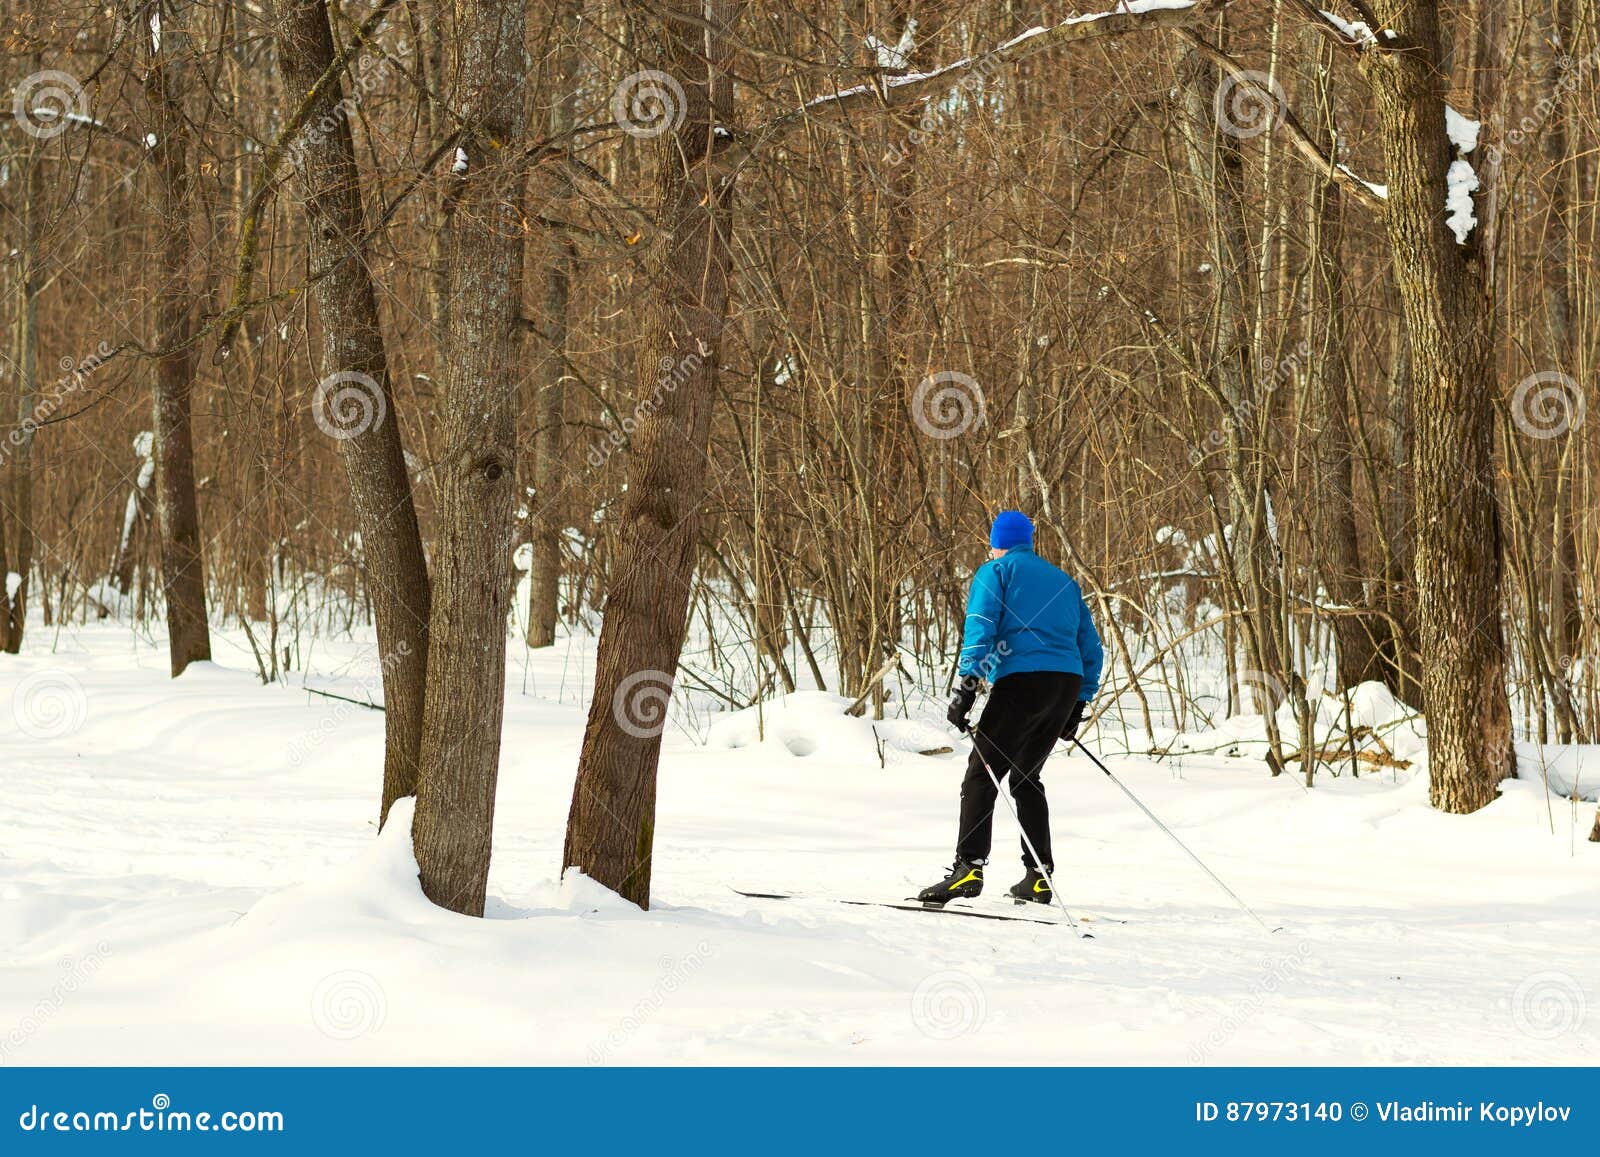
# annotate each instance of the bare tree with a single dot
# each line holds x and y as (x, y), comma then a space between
(611, 824)
(354, 400)
(475, 472)
(164, 33)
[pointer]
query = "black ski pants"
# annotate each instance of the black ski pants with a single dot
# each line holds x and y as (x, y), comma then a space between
(1020, 725)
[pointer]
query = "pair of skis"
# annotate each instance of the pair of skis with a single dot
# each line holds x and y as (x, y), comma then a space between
(954, 908)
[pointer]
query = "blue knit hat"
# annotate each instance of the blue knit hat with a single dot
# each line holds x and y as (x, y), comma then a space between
(1011, 528)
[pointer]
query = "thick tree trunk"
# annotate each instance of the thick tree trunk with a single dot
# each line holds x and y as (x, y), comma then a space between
(475, 478)
(1456, 522)
(177, 508)
(544, 575)
(354, 401)
(611, 824)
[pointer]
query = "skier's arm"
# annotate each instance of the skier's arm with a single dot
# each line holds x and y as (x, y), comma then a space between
(1089, 648)
(983, 623)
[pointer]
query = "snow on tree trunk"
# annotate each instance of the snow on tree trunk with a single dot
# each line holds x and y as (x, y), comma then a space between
(1455, 518)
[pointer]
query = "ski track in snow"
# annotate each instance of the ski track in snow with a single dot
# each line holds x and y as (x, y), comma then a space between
(192, 876)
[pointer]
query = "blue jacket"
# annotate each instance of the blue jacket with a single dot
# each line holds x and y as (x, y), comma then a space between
(1025, 615)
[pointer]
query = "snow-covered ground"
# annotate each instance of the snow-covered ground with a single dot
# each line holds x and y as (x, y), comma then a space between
(190, 873)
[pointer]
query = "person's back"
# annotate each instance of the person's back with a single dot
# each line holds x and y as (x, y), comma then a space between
(1025, 614)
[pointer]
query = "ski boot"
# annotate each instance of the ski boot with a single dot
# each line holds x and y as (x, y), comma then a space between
(1032, 889)
(963, 883)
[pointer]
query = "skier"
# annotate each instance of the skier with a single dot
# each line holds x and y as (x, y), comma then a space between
(1029, 635)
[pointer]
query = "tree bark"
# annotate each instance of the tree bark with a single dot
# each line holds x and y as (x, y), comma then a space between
(177, 507)
(26, 364)
(544, 574)
(611, 824)
(1456, 522)
(1332, 490)
(359, 410)
(475, 476)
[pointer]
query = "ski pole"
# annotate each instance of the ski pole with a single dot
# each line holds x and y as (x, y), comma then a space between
(1032, 851)
(1157, 821)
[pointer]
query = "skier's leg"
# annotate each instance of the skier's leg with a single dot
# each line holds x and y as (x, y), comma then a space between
(977, 811)
(1027, 783)
(990, 741)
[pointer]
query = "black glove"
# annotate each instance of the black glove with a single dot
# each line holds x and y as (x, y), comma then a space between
(1069, 729)
(961, 705)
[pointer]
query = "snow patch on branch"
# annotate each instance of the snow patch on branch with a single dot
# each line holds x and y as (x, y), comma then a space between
(894, 57)
(1123, 8)
(1358, 32)
(1377, 190)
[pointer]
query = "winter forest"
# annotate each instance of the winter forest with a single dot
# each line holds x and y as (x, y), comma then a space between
(561, 436)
